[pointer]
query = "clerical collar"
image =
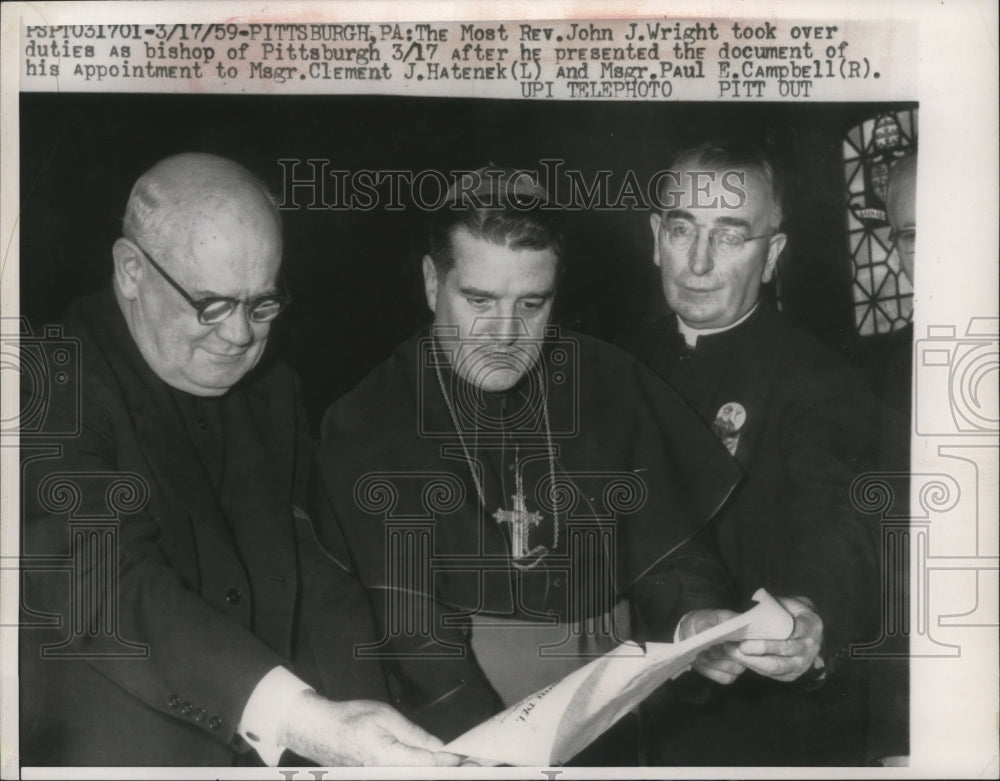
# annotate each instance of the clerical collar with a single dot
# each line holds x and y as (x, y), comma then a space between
(691, 334)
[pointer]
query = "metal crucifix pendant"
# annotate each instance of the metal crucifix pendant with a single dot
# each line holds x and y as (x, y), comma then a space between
(520, 521)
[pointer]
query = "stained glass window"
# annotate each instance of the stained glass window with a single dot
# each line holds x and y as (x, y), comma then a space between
(882, 295)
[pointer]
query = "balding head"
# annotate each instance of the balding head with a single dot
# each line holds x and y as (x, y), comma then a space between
(179, 190)
(901, 205)
(213, 229)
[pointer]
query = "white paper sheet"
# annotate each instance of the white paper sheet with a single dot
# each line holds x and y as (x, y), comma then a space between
(554, 724)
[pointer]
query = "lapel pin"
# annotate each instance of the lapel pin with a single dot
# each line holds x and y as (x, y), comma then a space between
(728, 424)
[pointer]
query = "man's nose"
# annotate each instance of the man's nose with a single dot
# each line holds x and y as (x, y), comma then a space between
(507, 329)
(236, 329)
(700, 255)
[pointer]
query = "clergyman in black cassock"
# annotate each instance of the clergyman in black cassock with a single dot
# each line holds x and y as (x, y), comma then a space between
(174, 590)
(791, 528)
(636, 475)
(515, 500)
(799, 420)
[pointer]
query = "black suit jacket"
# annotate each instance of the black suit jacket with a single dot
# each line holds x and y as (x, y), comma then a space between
(790, 527)
(148, 616)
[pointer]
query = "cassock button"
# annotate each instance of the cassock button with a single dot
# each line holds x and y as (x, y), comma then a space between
(214, 723)
(174, 701)
(202, 424)
(186, 708)
(233, 596)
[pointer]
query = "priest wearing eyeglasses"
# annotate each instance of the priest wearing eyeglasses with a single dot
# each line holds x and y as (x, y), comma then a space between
(517, 499)
(799, 421)
(197, 620)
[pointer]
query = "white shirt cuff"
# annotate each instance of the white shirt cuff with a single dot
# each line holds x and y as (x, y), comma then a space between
(265, 712)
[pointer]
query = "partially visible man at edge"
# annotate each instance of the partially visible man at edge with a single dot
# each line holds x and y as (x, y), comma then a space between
(799, 421)
(888, 361)
(493, 408)
(204, 457)
(889, 358)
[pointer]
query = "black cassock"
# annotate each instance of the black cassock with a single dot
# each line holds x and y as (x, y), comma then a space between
(614, 477)
(888, 362)
(800, 421)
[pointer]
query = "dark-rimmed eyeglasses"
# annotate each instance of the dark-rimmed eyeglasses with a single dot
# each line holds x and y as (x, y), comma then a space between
(214, 309)
(681, 234)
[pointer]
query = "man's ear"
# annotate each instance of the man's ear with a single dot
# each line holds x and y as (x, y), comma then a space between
(654, 223)
(128, 268)
(430, 282)
(775, 246)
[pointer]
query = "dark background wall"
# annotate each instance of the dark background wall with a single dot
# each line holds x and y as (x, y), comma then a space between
(355, 274)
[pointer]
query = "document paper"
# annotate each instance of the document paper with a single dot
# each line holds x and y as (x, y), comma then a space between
(554, 724)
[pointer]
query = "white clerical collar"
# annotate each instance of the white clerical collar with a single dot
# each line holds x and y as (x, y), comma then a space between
(691, 334)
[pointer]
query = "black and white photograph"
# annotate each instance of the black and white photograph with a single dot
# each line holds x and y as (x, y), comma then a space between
(477, 393)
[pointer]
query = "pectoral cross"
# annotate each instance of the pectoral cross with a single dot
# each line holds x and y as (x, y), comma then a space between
(520, 521)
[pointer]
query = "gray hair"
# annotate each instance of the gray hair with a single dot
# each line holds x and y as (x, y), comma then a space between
(737, 155)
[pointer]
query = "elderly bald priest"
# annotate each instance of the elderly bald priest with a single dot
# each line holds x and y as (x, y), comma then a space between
(184, 616)
(516, 499)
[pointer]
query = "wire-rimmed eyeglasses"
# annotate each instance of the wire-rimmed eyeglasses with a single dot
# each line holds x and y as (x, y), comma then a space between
(681, 234)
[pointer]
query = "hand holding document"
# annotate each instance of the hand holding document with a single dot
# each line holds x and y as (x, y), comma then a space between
(554, 724)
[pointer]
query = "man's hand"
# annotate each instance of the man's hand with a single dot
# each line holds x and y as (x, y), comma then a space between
(357, 733)
(785, 660)
(714, 663)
